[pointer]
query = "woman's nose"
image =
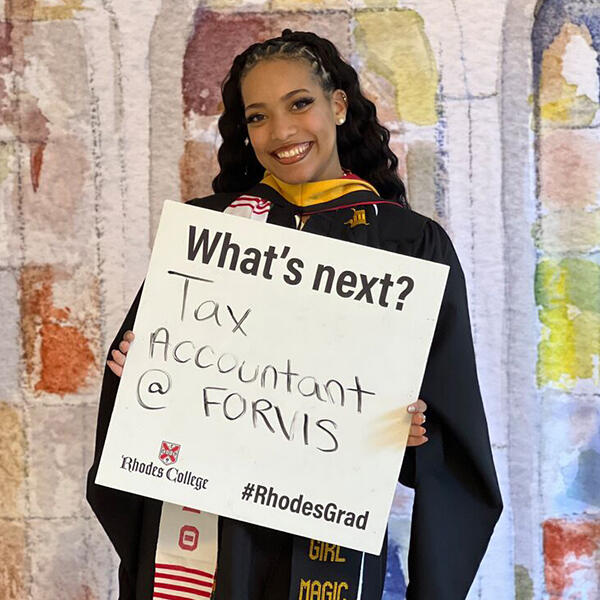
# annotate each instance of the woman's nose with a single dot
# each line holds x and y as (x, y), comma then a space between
(282, 128)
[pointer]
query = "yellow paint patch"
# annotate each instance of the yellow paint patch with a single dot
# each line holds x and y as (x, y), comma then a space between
(557, 363)
(46, 10)
(293, 5)
(381, 3)
(568, 298)
(12, 461)
(395, 47)
(13, 568)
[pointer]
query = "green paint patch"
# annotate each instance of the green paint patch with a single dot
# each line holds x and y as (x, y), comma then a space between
(523, 583)
(568, 297)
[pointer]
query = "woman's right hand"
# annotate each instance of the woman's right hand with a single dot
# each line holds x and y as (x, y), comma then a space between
(118, 362)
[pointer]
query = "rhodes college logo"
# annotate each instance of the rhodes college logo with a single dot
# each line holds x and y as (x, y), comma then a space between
(169, 452)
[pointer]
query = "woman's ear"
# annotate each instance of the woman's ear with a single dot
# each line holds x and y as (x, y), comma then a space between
(340, 105)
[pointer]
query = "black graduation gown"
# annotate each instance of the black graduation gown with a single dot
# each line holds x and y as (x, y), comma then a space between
(457, 500)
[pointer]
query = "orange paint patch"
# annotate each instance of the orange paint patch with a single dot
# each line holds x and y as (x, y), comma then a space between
(66, 359)
(36, 158)
(197, 167)
(36, 302)
(567, 545)
(560, 101)
(57, 353)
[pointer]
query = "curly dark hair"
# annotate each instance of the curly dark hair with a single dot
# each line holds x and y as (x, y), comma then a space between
(362, 142)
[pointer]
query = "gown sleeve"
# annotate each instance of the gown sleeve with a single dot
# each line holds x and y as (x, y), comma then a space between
(457, 499)
(120, 513)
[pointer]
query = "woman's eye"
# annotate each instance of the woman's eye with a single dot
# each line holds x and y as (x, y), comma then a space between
(303, 102)
(254, 118)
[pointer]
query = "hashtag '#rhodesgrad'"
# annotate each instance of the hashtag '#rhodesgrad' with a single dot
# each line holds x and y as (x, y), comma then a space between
(247, 491)
(327, 511)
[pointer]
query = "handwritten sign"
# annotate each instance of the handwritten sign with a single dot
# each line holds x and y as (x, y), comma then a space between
(270, 374)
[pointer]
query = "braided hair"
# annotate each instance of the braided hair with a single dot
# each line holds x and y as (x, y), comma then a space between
(362, 142)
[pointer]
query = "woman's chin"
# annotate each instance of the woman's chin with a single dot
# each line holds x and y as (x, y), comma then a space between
(291, 175)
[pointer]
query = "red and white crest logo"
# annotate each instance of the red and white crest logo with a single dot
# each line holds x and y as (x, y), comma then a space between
(169, 452)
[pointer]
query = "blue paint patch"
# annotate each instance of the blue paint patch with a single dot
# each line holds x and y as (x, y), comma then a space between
(586, 485)
(395, 584)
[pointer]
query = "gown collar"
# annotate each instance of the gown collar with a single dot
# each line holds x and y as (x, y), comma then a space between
(311, 193)
(317, 196)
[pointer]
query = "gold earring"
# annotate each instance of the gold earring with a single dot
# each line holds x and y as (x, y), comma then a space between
(341, 121)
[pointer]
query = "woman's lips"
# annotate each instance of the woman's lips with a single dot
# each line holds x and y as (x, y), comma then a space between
(288, 160)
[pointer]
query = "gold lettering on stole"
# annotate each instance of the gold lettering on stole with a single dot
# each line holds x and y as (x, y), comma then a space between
(313, 589)
(324, 552)
(304, 589)
(313, 550)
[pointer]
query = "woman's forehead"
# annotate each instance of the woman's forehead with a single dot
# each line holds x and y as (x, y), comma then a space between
(270, 80)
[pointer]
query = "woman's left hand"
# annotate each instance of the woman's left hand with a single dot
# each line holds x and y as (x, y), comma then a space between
(416, 436)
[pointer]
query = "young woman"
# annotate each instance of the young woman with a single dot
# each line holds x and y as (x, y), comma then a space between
(302, 148)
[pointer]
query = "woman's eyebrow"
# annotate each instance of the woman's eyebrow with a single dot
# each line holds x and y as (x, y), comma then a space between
(284, 97)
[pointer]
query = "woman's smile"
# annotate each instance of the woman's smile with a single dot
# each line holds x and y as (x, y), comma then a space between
(294, 153)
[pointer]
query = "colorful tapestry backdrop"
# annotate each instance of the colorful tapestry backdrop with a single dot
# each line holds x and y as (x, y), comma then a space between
(109, 107)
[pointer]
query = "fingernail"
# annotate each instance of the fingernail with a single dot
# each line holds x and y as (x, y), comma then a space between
(412, 408)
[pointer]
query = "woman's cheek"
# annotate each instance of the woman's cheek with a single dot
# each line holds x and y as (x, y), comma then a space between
(258, 144)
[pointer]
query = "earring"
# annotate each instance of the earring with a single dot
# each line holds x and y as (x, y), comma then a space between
(341, 121)
(246, 141)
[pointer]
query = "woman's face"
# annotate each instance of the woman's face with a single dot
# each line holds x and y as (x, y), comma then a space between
(291, 122)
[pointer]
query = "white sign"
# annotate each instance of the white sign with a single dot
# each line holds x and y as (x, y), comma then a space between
(270, 375)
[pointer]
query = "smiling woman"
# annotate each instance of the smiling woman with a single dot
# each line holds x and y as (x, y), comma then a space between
(302, 148)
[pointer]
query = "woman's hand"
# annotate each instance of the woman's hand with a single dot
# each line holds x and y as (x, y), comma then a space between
(416, 436)
(118, 356)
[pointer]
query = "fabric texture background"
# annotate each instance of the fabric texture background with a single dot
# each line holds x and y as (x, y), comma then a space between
(110, 107)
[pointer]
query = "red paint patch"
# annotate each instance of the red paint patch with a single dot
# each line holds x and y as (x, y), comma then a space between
(36, 159)
(24, 118)
(55, 350)
(204, 67)
(565, 544)
(86, 593)
(5, 47)
(569, 175)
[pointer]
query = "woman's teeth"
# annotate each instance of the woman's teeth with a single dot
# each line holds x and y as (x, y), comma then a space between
(301, 149)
